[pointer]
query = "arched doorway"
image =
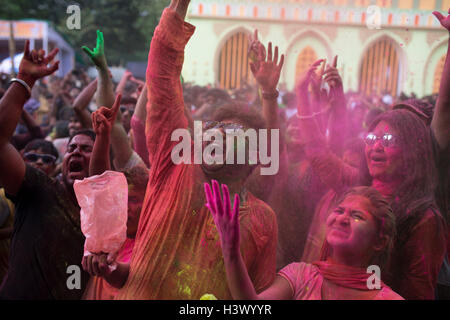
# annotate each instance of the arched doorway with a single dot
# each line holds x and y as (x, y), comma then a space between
(438, 74)
(304, 60)
(234, 70)
(380, 69)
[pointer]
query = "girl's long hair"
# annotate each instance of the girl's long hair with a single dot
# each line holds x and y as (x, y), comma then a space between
(415, 195)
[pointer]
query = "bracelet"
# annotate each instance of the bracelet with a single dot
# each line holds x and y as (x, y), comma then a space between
(310, 116)
(270, 95)
(23, 83)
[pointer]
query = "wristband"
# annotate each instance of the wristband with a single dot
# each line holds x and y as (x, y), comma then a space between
(23, 83)
(270, 95)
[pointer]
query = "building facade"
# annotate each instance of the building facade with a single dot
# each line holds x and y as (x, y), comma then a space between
(384, 46)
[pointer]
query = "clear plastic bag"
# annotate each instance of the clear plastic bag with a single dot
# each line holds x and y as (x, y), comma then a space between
(104, 211)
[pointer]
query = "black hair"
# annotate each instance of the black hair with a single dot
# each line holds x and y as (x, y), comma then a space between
(44, 145)
(416, 193)
(246, 115)
(87, 132)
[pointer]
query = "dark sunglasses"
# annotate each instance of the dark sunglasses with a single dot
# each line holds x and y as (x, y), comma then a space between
(34, 157)
(219, 125)
(387, 140)
(124, 109)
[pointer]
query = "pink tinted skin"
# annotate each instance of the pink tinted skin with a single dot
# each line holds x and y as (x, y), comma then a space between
(351, 235)
(79, 151)
(44, 167)
(135, 200)
(351, 232)
(233, 175)
(384, 163)
(74, 125)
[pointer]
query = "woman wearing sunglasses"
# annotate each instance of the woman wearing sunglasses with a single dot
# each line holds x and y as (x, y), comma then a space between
(360, 233)
(399, 164)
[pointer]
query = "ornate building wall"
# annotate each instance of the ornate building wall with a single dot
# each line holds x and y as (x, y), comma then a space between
(305, 29)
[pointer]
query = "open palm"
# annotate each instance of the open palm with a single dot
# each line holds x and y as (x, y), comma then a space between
(267, 71)
(445, 21)
(225, 218)
(97, 55)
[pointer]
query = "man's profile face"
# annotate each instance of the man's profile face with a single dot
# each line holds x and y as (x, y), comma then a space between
(77, 158)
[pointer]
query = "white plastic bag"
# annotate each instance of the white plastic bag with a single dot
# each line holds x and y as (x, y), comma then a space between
(104, 211)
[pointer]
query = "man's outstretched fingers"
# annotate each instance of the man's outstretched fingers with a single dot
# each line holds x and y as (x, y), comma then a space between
(269, 52)
(226, 201)
(280, 65)
(116, 105)
(439, 15)
(26, 52)
(275, 57)
(53, 68)
(237, 201)
(209, 198)
(87, 50)
(51, 56)
(100, 40)
(217, 198)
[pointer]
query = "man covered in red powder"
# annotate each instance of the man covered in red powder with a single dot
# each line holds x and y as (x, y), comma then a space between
(177, 252)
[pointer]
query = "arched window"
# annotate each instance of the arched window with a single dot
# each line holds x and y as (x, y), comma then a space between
(234, 69)
(438, 75)
(304, 60)
(380, 69)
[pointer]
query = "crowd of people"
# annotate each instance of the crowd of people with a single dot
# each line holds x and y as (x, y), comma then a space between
(363, 182)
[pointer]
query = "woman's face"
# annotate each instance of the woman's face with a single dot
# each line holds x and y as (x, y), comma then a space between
(384, 159)
(351, 227)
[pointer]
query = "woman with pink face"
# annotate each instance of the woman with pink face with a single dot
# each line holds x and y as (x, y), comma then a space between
(400, 166)
(360, 233)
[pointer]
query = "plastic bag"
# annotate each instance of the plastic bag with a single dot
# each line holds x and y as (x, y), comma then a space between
(104, 211)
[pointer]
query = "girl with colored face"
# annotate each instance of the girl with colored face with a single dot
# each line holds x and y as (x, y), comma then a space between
(360, 232)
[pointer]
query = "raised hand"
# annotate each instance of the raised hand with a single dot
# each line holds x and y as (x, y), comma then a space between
(103, 119)
(180, 7)
(445, 21)
(34, 64)
(334, 80)
(97, 56)
(227, 221)
(256, 50)
(267, 72)
(302, 88)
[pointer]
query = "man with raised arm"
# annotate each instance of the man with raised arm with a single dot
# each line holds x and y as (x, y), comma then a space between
(47, 242)
(440, 127)
(177, 251)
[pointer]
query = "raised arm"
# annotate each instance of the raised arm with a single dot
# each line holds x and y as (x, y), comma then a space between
(138, 127)
(165, 108)
(33, 66)
(441, 118)
(119, 138)
(102, 121)
(82, 101)
(331, 169)
(105, 86)
(227, 223)
(337, 125)
(267, 74)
